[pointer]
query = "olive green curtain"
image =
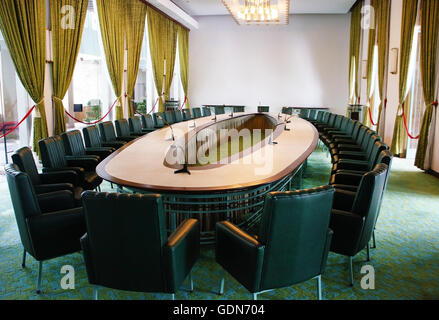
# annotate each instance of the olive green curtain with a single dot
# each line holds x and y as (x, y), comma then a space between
(67, 30)
(429, 48)
(162, 41)
(183, 49)
(370, 63)
(113, 38)
(383, 18)
(23, 24)
(135, 24)
(354, 51)
(409, 14)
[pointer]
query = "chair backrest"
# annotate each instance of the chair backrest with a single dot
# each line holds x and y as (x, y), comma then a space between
(24, 160)
(196, 112)
(147, 122)
(135, 125)
(349, 126)
(106, 130)
(122, 128)
(206, 112)
(344, 124)
(287, 110)
(331, 120)
(73, 144)
(304, 113)
(368, 200)
(377, 148)
(326, 117)
(263, 109)
(178, 116)
(24, 202)
(52, 151)
(187, 115)
(361, 135)
(126, 236)
(313, 114)
(370, 145)
(220, 110)
(239, 109)
(294, 229)
(157, 121)
(338, 121)
(169, 116)
(356, 129)
(92, 138)
(320, 115)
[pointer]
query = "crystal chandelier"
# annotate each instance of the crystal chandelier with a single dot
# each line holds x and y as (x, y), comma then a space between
(259, 11)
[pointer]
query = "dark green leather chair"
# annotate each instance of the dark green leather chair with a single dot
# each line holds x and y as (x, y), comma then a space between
(187, 114)
(74, 146)
(354, 215)
(360, 154)
(126, 246)
(178, 116)
(304, 113)
(136, 126)
(54, 159)
(196, 113)
(287, 110)
(239, 109)
(158, 123)
(291, 247)
(206, 112)
(123, 131)
(148, 123)
(220, 110)
(48, 181)
(108, 135)
(169, 116)
(263, 109)
(49, 224)
(92, 139)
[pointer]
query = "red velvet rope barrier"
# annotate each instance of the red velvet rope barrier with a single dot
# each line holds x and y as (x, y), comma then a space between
(95, 122)
(371, 120)
(406, 127)
(18, 124)
(185, 100)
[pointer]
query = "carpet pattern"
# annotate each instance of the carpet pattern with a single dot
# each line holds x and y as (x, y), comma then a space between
(406, 260)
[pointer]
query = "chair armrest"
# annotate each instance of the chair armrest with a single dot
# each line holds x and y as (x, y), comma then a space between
(102, 153)
(86, 252)
(239, 254)
(181, 252)
(347, 164)
(47, 188)
(57, 233)
(60, 177)
(343, 200)
(89, 163)
(56, 201)
(347, 227)
(114, 144)
(342, 177)
(329, 235)
(78, 170)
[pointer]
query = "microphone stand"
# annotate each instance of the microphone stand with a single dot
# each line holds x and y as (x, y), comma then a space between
(185, 165)
(214, 119)
(167, 123)
(231, 115)
(271, 136)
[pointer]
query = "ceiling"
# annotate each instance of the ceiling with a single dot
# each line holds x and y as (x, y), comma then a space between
(216, 7)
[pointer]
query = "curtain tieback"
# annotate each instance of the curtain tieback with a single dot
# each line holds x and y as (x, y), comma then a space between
(435, 104)
(37, 111)
(55, 98)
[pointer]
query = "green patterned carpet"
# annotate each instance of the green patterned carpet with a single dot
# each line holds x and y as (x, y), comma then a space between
(406, 260)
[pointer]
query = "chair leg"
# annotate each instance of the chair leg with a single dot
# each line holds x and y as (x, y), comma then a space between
(40, 273)
(319, 287)
(191, 283)
(111, 186)
(351, 272)
(368, 252)
(23, 263)
(95, 293)
(255, 296)
(221, 290)
(173, 296)
(374, 244)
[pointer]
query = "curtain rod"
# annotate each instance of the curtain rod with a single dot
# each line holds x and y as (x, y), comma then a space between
(166, 15)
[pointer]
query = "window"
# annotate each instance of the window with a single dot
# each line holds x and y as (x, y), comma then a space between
(415, 95)
(91, 85)
(15, 102)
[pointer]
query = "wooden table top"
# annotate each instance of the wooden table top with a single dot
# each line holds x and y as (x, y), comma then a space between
(140, 163)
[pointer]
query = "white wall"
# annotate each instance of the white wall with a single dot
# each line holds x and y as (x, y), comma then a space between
(302, 64)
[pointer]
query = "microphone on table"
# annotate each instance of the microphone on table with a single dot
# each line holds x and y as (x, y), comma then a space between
(185, 165)
(214, 119)
(231, 114)
(271, 141)
(167, 123)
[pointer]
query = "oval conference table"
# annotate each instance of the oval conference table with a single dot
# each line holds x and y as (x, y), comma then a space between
(233, 187)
